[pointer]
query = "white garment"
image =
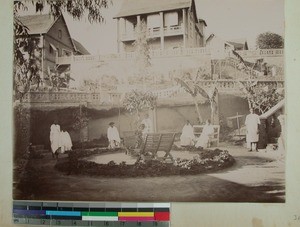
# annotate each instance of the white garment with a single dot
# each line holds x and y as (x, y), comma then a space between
(187, 135)
(252, 122)
(55, 137)
(148, 125)
(113, 137)
(113, 134)
(203, 140)
(66, 142)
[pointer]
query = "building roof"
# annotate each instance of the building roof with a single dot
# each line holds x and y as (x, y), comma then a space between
(210, 37)
(42, 23)
(136, 7)
(202, 21)
(80, 48)
(38, 24)
(213, 36)
(239, 43)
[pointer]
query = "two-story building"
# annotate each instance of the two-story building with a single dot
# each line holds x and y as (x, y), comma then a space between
(170, 24)
(55, 39)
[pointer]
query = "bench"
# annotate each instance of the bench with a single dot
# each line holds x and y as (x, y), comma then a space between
(155, 142)
(214, 137)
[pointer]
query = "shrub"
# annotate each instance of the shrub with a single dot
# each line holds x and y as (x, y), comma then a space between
(204, 161)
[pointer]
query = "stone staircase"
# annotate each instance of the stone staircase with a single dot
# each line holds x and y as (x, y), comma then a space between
(234, 64)
(39, 149)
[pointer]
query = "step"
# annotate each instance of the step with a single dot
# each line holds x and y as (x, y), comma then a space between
(38, 147)
(42, 151)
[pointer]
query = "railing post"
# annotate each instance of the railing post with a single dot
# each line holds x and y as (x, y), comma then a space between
(162, 40)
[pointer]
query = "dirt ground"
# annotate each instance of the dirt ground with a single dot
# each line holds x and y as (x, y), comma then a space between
(255, 177)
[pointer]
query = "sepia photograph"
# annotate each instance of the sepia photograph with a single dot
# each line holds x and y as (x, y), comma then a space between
(149, 101)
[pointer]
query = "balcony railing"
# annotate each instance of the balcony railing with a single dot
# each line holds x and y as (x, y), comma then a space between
(129, 36)
(170, 52)
(61, 97)
(261, 53)
(131, 55)
(114, 98)
(174, 30)
(154, 32)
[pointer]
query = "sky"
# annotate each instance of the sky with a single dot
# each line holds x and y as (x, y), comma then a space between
(228, 19)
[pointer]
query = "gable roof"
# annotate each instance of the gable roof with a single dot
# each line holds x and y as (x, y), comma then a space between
(38, 24)
(80, 48)
(239, 43)
(42, 23)
(136, 7)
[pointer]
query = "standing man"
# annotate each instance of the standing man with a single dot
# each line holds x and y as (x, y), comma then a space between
(113, 136)
(252, 122)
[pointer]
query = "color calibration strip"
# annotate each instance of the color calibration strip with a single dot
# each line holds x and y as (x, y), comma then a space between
(91, 214)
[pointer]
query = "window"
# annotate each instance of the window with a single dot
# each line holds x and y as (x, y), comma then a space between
(52, 48)
(59, 34)
(171, 19)
(153, 21)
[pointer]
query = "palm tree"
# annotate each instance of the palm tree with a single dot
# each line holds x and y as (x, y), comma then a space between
(192, 87)
(211, 94)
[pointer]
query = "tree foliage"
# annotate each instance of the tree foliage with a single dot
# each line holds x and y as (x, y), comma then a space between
(142, 50)
(261, 98)
(136, 101)
(191, 85)
(269, 40)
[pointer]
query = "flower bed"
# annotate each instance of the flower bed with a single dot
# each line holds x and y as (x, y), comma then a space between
(203, 161)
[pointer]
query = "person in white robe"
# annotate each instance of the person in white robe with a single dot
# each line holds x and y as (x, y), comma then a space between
(187, 136)
(252, 122)
(113, 136)
(207, 132)
(55, 140)
(66, 142)
(281, 139)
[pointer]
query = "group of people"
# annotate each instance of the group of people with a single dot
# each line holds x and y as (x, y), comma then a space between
(113, 135)
(188, 138)
(60, 140)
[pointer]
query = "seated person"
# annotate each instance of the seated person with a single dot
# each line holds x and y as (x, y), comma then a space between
(207, 132)
(113, 136)
(187, 135)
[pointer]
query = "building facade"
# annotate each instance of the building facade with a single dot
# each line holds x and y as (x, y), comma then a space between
(170, 24)
(54, 39)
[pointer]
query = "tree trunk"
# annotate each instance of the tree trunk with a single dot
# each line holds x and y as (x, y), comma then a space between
(197, 110)
(212, 112)
(249, 102)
